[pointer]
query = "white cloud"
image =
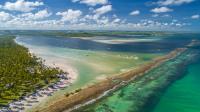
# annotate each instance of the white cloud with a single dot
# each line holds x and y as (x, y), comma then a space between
(174, 2)
(160, 15)
(21, 5)
(136, 12)
(117, 20)
(4, 16)
(102, 10)
(70, 15)
(97, 13)
(73, 19)
(39, 15)
(92, 2)
(174, 20)
(195, 16)
(166, 15)
(161, 10)
(155, 15)
(104, 22)
(100, 20)
(42, 14)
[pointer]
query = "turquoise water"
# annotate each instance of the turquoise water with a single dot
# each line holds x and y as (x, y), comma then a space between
(184, 94)
(142, 94)
(90, 65)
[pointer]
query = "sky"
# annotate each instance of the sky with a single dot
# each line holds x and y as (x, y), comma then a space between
(136, 15)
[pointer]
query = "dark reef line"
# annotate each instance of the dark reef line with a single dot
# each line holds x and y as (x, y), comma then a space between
(165, 74)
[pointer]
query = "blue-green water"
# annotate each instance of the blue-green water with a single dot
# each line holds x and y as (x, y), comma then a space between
(165, 44)
(184, 94)
(144, 93)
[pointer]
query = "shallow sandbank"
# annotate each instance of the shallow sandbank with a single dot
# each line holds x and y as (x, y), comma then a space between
(72, 101)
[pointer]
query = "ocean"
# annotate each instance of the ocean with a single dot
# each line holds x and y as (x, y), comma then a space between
(171, 87)
(184, 94)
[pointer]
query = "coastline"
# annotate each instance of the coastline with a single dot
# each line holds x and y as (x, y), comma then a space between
(72, 76)
(94, 92)
(56, 63)
(72, 73)
(37, 95)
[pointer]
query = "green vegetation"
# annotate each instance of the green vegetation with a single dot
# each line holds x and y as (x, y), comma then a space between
(63, 33)
(103, 33)
(21, 72)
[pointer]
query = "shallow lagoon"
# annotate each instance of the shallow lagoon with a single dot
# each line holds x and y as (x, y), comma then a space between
(142, 94)
(91, 63)
(95, 60)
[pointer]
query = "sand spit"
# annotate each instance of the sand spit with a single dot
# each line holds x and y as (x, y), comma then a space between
(94, 92)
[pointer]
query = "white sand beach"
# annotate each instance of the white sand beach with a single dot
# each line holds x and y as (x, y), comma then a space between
(35, 99)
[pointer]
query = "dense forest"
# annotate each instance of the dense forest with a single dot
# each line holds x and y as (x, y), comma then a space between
(21, 72)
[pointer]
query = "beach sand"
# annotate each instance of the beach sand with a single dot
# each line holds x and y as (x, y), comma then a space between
(56, 62)
(88, 93)
(63, 65)
(93, 92)
(53, 61)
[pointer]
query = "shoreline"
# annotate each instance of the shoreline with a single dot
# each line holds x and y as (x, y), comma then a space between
(29, 101)
(90, 94)
(44, 93)
(72, 73)
(71, 78)
(55, 63)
